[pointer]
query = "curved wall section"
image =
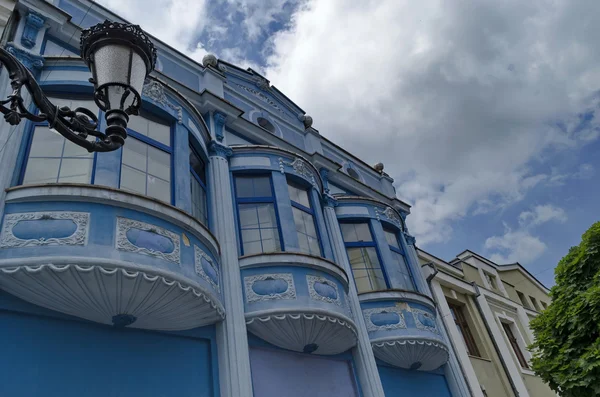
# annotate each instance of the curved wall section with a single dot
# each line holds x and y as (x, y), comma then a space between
(298, 302)
(110, 257)
(403, 329)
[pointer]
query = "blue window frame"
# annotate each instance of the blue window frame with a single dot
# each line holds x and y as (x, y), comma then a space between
(363, 256)
(51, 158)
(198, 187)
(399, 258)
(308, 237)
(257, 215)
(146, 159)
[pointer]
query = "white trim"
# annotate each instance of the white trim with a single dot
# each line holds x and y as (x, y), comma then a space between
(502, 318)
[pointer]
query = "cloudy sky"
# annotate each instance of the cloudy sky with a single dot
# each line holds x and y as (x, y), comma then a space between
(484, 112)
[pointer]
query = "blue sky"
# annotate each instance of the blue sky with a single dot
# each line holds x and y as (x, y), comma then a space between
(484, 113)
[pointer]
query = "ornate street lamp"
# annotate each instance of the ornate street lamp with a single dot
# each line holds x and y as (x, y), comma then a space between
(120, 57)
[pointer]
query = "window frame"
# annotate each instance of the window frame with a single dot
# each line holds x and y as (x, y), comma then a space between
(362, 244)
(514, 344)
(255, 200)
(30, 132)
(462, 324)
(157, 145)
(199, 180)
(310, 211)
(393, 230)
(535, 304)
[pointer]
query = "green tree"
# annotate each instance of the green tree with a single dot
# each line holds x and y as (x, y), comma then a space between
(566, 352)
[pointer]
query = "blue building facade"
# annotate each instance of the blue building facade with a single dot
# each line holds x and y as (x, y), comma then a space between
(227, 249)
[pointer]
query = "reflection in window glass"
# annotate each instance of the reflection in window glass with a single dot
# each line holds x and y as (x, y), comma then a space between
(308, 239)
(259, 230)
(198, 186)
(52, 48)
(362, 254)
(156, 131)
(400, 263)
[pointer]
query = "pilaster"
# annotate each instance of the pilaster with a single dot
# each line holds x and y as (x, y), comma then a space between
(234, 360)
(524, 319)
(364, 359)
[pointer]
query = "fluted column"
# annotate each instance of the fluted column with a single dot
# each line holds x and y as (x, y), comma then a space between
(234, 359)
(368, 375)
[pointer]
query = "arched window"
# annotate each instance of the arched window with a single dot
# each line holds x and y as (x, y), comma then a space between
(266, 124)
(51, 158)
(146, 159)
(308, 238)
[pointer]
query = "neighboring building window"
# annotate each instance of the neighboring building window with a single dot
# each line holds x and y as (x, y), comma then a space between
(198, 186)
(535, 304)
(54, 159)
(256, 212)
(463, 327)
(523, 299)
(515, 345)
(308, 238)
(544, 304)
(362, 253)
(146, 160)
(399, 258)
(491, 281)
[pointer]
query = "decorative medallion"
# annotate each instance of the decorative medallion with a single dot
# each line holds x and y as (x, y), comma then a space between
(265, 287)
(384, 318)
(424, 320)
(322, 289)
(390, 214)
(206, 268)
(155, 91)
(146, 239)
(300, 168)
(34, 229)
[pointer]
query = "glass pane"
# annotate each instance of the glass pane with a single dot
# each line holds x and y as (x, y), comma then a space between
(138, 124)
(401, 265)
(248, 216)
(251, 240)
(270, 240)
(299, 220)
(132, 179)
(46, 143)
(199, 204)
(391, 238)
(159, 132)
(356, 232)
(159, 189)
(41, 171)
(303, 244)
(72, 150)
(159, 163)
(197, 165)
(309, 224)
(355, 256)
(134, 154)
(362, 284)
(244, 187)
(314, 247)
(76, 171)
(262, 186)
(266, 215)
(298, 195)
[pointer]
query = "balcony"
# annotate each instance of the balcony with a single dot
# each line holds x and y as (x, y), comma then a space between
(110, 257)
(298, 302)
(403, 329)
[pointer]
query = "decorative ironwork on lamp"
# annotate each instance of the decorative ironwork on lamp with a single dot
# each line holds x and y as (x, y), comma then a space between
(120, 57)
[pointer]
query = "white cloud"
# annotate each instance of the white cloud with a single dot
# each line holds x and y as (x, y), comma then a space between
(515, 246)
(541, 214)
(456, 98)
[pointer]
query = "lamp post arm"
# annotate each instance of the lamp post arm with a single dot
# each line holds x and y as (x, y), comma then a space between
(76, 125)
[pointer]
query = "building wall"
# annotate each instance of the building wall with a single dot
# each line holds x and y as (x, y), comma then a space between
(471, 274)
(525, 286)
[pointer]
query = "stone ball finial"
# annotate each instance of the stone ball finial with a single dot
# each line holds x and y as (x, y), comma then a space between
(307, 120)
(379, 167)
(209, 60)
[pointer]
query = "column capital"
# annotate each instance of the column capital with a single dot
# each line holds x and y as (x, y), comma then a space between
(410, 240)
(329, 201)
(219, 150)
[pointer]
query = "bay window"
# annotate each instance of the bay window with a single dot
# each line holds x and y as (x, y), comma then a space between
(259, 230)
(146, 159)
(308, 240)
(400, 262)
(363, 257)
(198, 187)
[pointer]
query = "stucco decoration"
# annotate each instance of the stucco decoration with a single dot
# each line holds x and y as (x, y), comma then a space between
(33, 23)
(411, 353)
(78, 236)
(219, 150)
(264, 98)
(219, 119)
(265, 287)
(384, 318)
(300, 168)
(424, 320)
(31, 61)
(390, 215)
(410, 240)
(109, 295)
(322, 289)
(206, 268)
(305, 332)
(155, 91)
(261, 82)
(126, 243)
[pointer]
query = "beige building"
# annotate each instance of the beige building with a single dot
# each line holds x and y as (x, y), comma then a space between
(6, 8)
(486, 309)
